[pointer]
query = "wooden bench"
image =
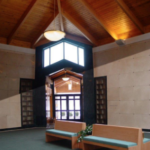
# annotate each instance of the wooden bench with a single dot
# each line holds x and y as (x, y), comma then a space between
(65, 130)
(146, 141)
(114, 137)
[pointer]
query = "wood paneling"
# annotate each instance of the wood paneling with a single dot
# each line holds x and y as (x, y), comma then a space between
(80, 27)
(100, 22)
(141, 10)
(98, 18)
(41, 13)
(63, 71)
(130, 15)
(60, 82)
(35, 40)
(80, 13)
(22, 20)
(10, 13)
(115, 18)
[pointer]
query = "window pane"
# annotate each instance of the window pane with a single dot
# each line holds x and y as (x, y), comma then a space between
(77, 105)
(71, 53)
(47, 114)
(47, 103)
(57, 97)
(71, 97)
(46, 57)
(57, 105)
(57, 114)
(64, 114)
(71, 114)
(56, 53)
(77, 97)
(71, 105)
(63, 97)
(77, 115)
(81, 56)
(63, 104)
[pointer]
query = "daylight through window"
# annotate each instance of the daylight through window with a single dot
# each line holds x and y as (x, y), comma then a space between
(62, 51)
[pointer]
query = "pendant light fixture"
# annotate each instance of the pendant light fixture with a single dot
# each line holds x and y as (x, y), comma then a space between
(65, 78)
(56, 35)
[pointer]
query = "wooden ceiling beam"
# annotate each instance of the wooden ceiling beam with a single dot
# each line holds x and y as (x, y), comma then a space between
(40, 34)
(22, 20)
(80, 27)
(129, 13)
(98, 18)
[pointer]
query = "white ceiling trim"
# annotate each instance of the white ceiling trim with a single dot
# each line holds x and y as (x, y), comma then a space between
(136, 39)
(17, 49)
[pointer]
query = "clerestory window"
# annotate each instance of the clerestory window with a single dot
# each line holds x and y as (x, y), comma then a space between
(62, 51)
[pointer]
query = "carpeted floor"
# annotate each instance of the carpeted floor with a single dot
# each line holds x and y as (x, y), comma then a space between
(31, 139)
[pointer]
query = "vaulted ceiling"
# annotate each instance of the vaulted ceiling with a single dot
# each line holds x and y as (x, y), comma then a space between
(94, 22)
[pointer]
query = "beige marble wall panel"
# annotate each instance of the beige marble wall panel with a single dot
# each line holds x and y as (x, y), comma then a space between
(3, 122)
(14, 109)
(142, 121)
(114, 119)
(15, 98)
(3, 72)
(147, 45)
(12, 93)
(3, 58)
(26, 72)
(141, 78)
(13, 121)
(3, 95)
(141, 93)
(113, 81)
(4, 108)
(13, 66)
(3, 83)
(113, 108)
(113, 94)
(142, 107)
(125, 65)
(12, 71)
(126, 93)
(126, 80)
(141, 64)
(127, 107)
(129, 85)
(13, 84)
(127, 120)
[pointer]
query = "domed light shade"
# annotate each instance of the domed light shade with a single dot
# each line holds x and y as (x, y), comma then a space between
(54, 35)
(65, 78)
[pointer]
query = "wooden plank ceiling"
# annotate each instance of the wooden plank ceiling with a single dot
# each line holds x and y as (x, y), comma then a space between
(94, 22)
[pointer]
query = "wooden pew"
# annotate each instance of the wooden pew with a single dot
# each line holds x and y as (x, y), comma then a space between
(146, 142)
(65, 130)
(114, 137)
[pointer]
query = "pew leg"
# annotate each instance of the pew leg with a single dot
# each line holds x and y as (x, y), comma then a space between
(52, 138)
(74, 143)
(90, 147)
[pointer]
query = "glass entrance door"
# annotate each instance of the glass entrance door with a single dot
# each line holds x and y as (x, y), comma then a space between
(68, 107)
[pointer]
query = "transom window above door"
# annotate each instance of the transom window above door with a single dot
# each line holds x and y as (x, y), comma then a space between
(62, 51)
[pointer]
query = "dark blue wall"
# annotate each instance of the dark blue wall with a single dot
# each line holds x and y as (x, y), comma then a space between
(41, 73)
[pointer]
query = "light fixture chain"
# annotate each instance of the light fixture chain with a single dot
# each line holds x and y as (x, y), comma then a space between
(54, 16)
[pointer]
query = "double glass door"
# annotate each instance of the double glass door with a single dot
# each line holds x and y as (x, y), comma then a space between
(68, 107)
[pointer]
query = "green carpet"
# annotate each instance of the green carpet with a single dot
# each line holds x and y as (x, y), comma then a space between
(30, 139)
